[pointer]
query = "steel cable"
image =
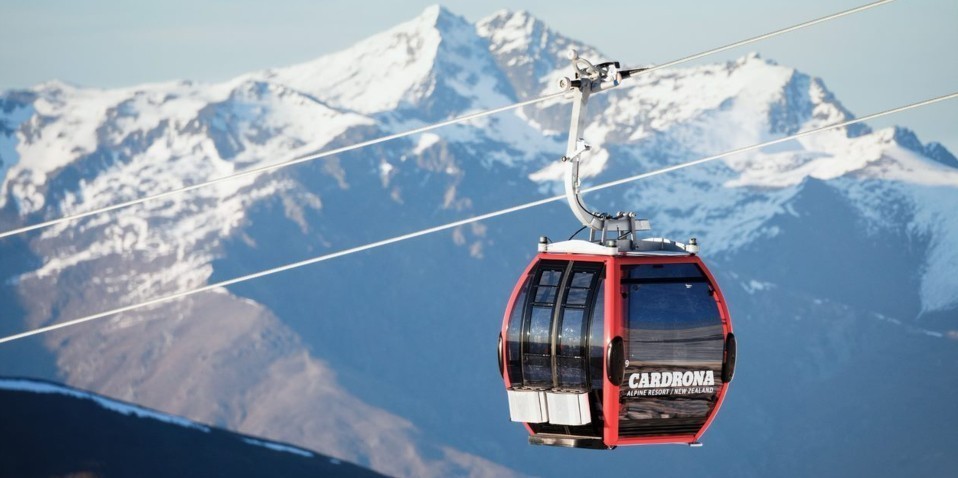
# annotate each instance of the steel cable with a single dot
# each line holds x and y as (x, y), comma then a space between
(470, 220)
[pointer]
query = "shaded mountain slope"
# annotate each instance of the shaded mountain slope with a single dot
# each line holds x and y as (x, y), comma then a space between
(51, 430)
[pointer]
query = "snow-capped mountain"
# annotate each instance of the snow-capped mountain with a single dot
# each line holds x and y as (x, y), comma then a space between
(835, 251)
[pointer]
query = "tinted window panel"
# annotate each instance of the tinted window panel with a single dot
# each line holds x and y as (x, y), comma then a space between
(582, 279)
(658, 271)
(537, 369)
(571, 337)
(672, 306)
(550, 277)
(674, 347)
(546, 295)
(514, 335)
(674, 324)
(571, 372)
(577, 297)
(539, 328)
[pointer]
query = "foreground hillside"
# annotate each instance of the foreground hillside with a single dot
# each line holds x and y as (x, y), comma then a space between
(52, 430)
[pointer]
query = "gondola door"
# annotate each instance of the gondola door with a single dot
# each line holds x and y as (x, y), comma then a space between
(553, 353)
(673, 336)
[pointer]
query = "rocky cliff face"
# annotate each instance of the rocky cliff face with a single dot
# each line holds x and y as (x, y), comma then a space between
(835, 250)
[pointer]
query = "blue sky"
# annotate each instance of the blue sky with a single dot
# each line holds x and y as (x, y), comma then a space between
(891, 55)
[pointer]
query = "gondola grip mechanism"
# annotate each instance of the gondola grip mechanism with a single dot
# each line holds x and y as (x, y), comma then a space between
(591, 79)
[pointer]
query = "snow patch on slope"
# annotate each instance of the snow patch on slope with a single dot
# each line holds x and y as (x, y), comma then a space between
(279, 447)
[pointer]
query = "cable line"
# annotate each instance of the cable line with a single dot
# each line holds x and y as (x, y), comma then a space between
(460, 119)
(462, 222)
(767, 35)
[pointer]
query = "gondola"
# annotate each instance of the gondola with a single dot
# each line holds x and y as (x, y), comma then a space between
(614, 340)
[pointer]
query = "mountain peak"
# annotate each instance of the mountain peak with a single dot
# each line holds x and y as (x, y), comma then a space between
(907, 138)
(431, 67)
(439, 17)
(528, 51)
(938, 152)
(432, 12)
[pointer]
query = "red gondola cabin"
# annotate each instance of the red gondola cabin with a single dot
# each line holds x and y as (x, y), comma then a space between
(601, 348)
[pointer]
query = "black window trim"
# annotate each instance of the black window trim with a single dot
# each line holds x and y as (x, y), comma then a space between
(558, 304)
(598, 271)
(542, 266)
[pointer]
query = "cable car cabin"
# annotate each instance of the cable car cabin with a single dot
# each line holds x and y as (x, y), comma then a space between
(604, 349)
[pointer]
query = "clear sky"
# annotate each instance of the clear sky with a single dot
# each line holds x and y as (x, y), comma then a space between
(888, 56)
